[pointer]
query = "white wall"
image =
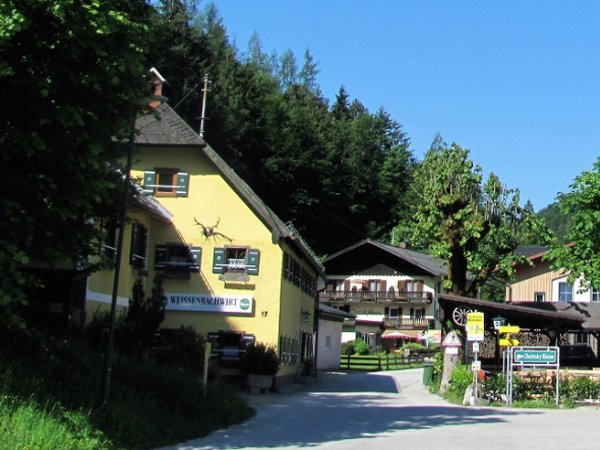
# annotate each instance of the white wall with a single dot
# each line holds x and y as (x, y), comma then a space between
(329, 347)
(583, 296)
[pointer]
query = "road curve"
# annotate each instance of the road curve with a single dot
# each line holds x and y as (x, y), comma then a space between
(389, 410)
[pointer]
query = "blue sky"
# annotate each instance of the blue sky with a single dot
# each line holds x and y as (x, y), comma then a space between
(515, 82)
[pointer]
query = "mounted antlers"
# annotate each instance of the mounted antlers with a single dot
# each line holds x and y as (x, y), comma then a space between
(210, 231)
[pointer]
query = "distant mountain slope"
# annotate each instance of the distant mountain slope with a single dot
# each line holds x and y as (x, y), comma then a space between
(556, 221)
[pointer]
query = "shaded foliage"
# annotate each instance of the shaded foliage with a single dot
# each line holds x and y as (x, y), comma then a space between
(72, 73)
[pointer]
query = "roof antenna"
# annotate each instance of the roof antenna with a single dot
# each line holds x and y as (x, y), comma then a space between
(203, 115)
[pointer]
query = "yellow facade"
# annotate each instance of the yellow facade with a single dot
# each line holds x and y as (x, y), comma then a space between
(279, 312)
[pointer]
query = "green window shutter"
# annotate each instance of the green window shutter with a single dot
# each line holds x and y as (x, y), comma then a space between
(219, 260)
(160, 257)
(253, 261)
(183, 182)
(196, 253)
(149, 181)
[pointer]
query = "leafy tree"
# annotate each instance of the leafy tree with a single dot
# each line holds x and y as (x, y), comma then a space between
(582, 205)
(472, 224)
(72, 77)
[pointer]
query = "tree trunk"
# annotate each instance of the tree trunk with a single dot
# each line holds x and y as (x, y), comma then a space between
(450, 362)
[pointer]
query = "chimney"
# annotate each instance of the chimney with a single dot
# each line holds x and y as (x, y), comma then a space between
(157, 84)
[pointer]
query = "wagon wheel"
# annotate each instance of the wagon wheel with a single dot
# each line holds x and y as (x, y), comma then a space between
(459, 315)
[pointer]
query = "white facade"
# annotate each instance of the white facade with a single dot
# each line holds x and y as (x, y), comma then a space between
(329, 346)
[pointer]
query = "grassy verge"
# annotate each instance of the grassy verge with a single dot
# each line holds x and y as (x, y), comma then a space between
(49, 387)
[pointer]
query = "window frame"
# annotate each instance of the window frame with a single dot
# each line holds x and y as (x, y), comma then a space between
(176, 268)
(568, 294)
(138, 252)
(166, 182)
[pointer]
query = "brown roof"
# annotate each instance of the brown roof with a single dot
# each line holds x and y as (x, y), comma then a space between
(517, 312)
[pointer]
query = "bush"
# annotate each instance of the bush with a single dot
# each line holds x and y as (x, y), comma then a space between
(361, 347)
(582, 388)
(348, 348)
(495, 387)
(182, 348)
(461, 378)
(414, 346)
(260, 359)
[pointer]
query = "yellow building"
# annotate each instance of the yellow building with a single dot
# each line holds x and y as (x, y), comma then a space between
(231, 268)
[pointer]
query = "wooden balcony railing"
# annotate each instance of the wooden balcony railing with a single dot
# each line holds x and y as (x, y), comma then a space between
(375, 296)
(409, 323)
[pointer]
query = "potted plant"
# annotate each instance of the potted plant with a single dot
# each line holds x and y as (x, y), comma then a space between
(260, 363)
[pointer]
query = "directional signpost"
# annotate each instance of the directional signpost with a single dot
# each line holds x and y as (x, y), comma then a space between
(475, 334)
(506, 340)
(520, 358)
(536, 357)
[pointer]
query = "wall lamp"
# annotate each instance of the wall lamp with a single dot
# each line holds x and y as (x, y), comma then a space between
(305, 315)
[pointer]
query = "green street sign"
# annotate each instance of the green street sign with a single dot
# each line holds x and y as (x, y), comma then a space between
(549, 357)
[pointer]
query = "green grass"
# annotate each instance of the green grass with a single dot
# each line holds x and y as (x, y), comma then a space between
(26, 425)
(49, 388)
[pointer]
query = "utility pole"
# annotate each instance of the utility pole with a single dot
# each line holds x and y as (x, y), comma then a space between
(203, 114)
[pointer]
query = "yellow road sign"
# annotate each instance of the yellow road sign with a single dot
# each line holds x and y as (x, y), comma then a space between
(508, 342)
(475, 330)
(509, 329)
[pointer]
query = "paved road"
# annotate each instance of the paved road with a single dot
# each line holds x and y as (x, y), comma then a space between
(390, 410)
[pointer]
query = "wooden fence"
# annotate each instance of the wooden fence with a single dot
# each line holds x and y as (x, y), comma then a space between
(392, 361)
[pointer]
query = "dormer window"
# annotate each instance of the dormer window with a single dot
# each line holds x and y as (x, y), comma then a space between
(166, 182)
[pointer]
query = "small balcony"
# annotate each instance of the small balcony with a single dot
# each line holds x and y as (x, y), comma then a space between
(364, 296)
(408, 323)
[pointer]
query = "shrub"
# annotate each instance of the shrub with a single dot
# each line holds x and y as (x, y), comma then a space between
(182, 348)
(348, 348)
(260, 359)
(461, 378)
(583, 388)
(361, 347)
(414, 346)
(495, 387)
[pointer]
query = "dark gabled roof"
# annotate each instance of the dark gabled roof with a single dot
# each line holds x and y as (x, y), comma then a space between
(330, 313)
(587, 311)
(530, 251)
(524, 310)
(421, 260)
(164, 127)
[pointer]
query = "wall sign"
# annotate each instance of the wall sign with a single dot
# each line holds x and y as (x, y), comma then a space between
(224, 304)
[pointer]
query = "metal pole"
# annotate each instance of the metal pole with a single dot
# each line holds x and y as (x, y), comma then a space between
(203, 114)
(108, 359)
